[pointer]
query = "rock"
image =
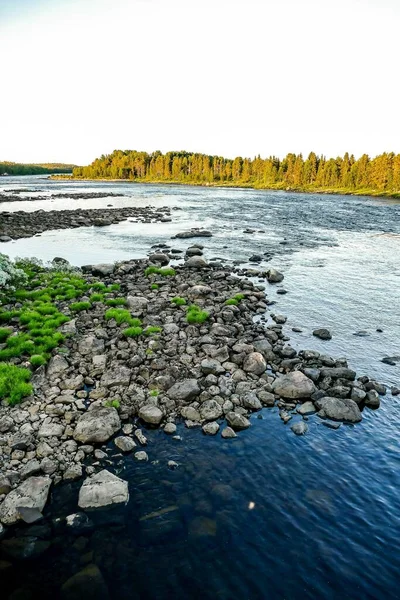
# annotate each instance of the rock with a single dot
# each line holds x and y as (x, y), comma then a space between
(32, 467)
(338, 409)
(237, 421)
(251, 401)
(274, 276)
(141, 438)
(32, 493)
(170, 428)
(87, 583)
(23, 548)
(160, 258)
(116, 375)
(151, 414)
(193, 233)
(323, 334)
(141, 455)
(255, 363)
(210, 365)
(210, 410)
(183, 391)
(299, 428)
(306, 409)
(194, 251)
(51, 430)
(172, 465)
(211, 428)
(228, 433)
(294, 385)
(197, 262)
(266, 398)
(97, 425)
(338, 373)
(190, 413)
(5, 238)
(101, 270)
(137, 304)
(56, 366)
(372, 399)
(103, 489)
(5, 485)
(89, 344)
(125, 443)
(395, 391)
(72, 473)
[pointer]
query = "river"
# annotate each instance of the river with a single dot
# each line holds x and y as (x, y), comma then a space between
(270, 515)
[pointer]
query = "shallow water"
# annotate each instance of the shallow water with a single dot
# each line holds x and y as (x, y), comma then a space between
(325, 521)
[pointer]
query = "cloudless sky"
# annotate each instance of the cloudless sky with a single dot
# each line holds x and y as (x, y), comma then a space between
(80, 78)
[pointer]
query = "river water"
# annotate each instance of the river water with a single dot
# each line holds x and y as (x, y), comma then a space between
(268, 515)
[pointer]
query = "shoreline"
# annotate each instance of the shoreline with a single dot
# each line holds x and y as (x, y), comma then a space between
(210, 373)
(330, 192)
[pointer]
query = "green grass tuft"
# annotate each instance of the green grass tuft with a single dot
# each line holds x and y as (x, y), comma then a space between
(37, 360)
(164, 271)
(120, 315)
(80, 306)
(4, 334)
(132, 331)
(178, 301)
(116, 302)
(154, 286)
(154, 393)
(196, 315)
(14, 383)
(96, 297)
(232, 302)
(152, 329)
(112, 404)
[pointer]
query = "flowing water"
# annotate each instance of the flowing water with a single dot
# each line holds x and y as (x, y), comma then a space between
(267, 515)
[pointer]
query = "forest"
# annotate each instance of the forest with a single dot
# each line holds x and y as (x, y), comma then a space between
(12, 168)
(343, 174)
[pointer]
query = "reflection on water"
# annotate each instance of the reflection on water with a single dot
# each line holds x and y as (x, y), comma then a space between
(267, 515)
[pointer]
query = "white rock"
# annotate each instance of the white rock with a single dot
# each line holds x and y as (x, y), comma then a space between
(32, 493)
(103, 489)
(151, 414)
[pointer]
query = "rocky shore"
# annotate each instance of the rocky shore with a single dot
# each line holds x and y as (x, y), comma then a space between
(20, 224)
(105, 388)
(14, 197)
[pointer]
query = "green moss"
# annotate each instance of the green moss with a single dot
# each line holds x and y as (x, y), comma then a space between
(196, 315)
(99, 286)
(14, 383)
(4, 334)
(112, 404)
(232, 302)
(80, 306)
(115, 287)
(96, 297)
(132, 331)
(239, 297)
(164, 271)
(154, 393)
(154, 286)
(152, 329)
(120, 315)
(37, 360)
(178, 301)
(116, 302)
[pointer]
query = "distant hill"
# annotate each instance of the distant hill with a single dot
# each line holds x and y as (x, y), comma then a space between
(11, 168)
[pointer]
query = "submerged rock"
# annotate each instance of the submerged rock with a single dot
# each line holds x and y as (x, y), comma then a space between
(299, 428)
(103, 489)
(88, 583)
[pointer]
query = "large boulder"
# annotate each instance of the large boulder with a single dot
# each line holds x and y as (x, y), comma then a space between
(255, 363)
(183, 391)
(160, 258)
(237, 421)
(294, 385)
(103, 489)
(274, 276)
(32, 493)
(210, 410)
(197, 262)
(338, 409)
(116, 375)
(151, 414)
(322, 333)
(101, 270)
(97, 425)
(89, 344)
(56, 366)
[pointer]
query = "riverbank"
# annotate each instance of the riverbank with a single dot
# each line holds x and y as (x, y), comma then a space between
(279, 187)
(151, 347)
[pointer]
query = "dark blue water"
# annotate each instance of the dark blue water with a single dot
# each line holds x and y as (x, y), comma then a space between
(267, 515)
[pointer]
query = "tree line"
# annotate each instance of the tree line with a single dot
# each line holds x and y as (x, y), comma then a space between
(381, 174)
(12, 168)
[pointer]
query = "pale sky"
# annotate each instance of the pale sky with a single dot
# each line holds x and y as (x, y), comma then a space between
(80, 78)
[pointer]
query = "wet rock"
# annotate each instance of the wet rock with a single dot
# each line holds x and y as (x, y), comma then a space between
(97, 425)
(159, 258)
(170, 428)
(125, 443)
(237, 421)
(151, 414)
(294, 385)
(306, 409)
(87, 583)
(228, 433)
(372, 399)
(116, 375)
(197, 262)
(299, 428)
(141, 455)
(101, 270)
(211, 428)
(193, 233)
(190, 413)
(323, 334)
(103, 489)
(32, 493)
(251, 401)
(338, 409)
(274, 276)
(24, 547)
(72, 473)
(338, 373)
(210, 410)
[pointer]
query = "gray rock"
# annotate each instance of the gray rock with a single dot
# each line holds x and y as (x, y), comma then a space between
(191, 413)
(372, 399)
(210, 410)
(87, 583)
(338, 373)
(170, 428)
(274, 276)
(101, 270)
(306, 409)
(196, 262)
(72, 473)
(266, 398)
(151, 414)
(89, 344)
(32, 493)
(255, 363)
(56, 366)
(299, 428)
(251, 401)
(116, 375)
(211, 428)
(185, 390)
(160, 258)
(294, 385)
(97, 425)
(338, 409)
(125, 443)
(211, 366)
(141, 455)
(237, 421)
(51, 430)
(228, 433)
(103, 489)
(137, 304)
(322, 333)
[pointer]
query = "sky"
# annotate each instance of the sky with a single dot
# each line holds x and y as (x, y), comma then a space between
(80, 78)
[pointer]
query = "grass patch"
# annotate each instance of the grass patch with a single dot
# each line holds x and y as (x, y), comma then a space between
(96, 297)
(80, 306)
(14, 383)
(232, 302)
(116, 302)
(121, 315)
(132, 332)
(154, 286)
(154, 393)
(115, 287)
(152, 329)
(37, 360)
(178, 301)
(112, 404)
(164, 271)
(4, 334)
(196, 315)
